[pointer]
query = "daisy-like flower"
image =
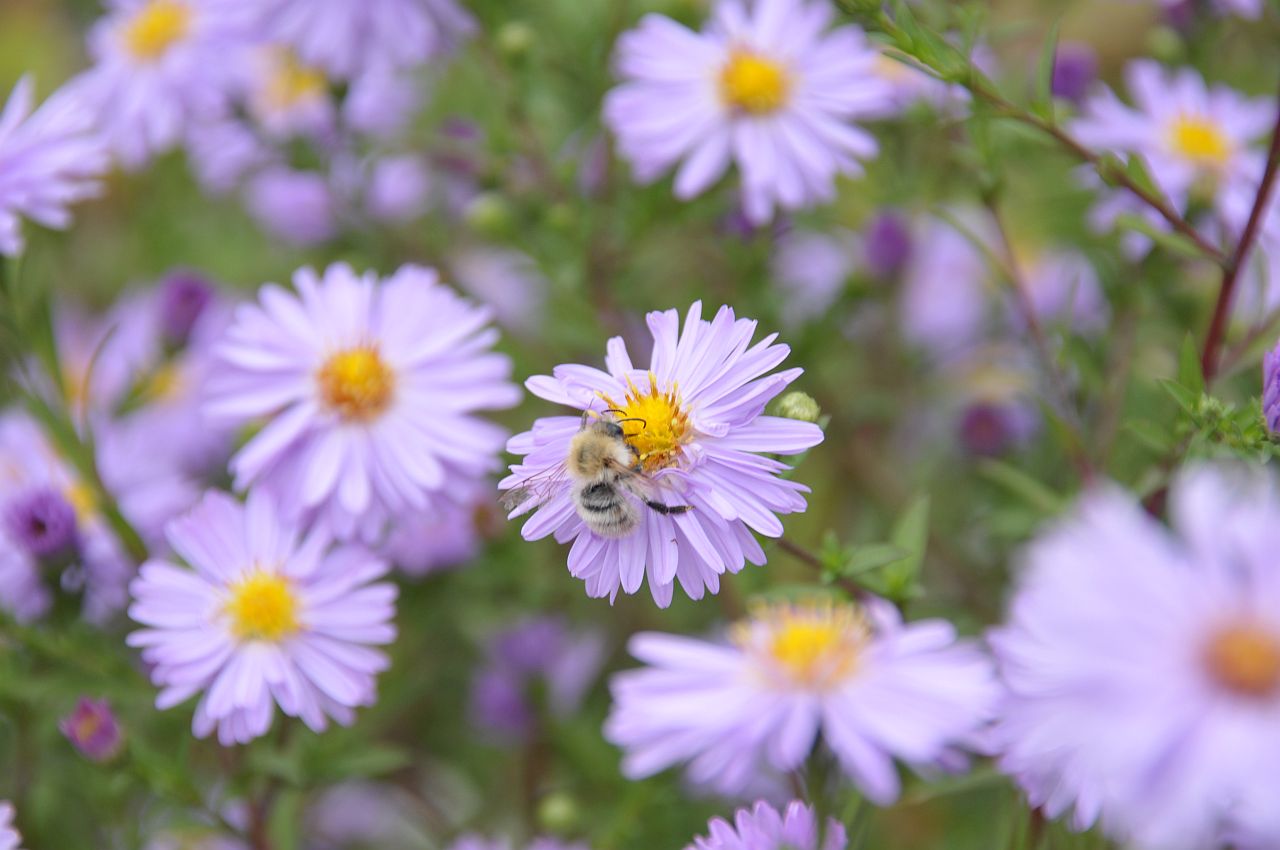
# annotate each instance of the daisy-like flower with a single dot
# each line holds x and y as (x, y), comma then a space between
(9, 837)
(765, 86)
(872, 687)
(761, 827)
(370, 388)
(262, 617)
(811, 269)
(49, 159)
(695, 426)
(1192, 136)
(161, 66)
(93, 730)
(1143, 666)
(347, 38)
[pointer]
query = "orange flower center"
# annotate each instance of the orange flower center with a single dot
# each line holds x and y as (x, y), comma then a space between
(654, 423)
(357, 383)
(1245, 659)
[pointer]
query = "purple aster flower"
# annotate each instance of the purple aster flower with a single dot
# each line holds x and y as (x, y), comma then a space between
(990, 429)
(875, 690)
(364, 814)
(761, 827)
(943, 302)
(370, 387)
(1143, 665)
(9, 837)
(161, 67)
(1075, 68)
(1271, 389)
(1190, 135)
(478, 842)
(696, 428)
(445, 537)
(43, 522)
(541, 650)
(36, 487)
(909, 85)
(886, 244)
(93, 730)
(811, 270)
(765, 86)
(399, 188)
(263, 617)
(347, 38)
(297, 206)
(287, 97)
(184, 296)
(49, 160)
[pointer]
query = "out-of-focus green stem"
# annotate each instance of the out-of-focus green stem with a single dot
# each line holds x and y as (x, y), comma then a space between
(971, 78)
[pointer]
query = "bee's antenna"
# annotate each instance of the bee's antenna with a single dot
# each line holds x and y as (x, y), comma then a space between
(613, 410)
(643, 424)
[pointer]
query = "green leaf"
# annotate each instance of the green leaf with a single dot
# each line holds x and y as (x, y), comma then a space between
(368, 761)
(1189, 374)
(1022, 485)
(1173, 242)
(873, 556)
(1043, 98)
(1151, 434)
(1186, 399)
(910, 532)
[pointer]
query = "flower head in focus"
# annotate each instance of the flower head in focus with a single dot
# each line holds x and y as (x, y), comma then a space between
(874, 688)
(370, 389)
(162, 68)
(1143, 665)
(698, 431)
(49, 159)
(765, 86)
(762, 827)
(263, 617)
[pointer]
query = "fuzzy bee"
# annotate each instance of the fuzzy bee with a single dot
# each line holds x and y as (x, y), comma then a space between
(607, 476)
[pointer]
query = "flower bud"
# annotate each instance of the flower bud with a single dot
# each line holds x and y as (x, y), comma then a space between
(798, 405)
(1271, 389)
(93, 730)
(515, 39)
(489, 214)
(43, 522)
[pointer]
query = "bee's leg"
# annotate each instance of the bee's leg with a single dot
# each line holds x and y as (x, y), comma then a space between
(668, 509)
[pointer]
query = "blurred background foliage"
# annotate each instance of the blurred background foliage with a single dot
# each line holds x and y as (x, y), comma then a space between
(533, 81)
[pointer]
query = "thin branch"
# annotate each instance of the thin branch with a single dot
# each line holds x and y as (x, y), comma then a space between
(1209, 359)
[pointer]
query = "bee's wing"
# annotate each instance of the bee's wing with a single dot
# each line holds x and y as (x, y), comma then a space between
(533, 491)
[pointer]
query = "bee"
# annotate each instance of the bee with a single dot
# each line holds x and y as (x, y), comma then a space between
(608, 480)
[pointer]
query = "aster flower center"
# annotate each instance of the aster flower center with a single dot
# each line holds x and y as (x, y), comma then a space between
(82, 499)
(357, 383)
(814, 645)
(751, 83)
(263, 607)
(658, 425)
(292, 82)
(1245, 659)
(1200, 140)
(156, 27)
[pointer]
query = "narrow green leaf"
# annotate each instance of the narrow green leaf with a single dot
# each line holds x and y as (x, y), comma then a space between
(873, 556)
(1185, 398)
(1043, 97)
(1022, 485)
(1189, 374)
(910, 532)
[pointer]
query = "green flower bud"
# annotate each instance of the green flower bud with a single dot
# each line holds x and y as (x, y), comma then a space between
(515, 39)
(558, 813)
(489, 214)
(798, 405)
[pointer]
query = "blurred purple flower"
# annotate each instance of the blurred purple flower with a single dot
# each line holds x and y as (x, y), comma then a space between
(93, 730)
(699, 405)
(183, 298)
(1075, 68)
(508, 281)
(42, 521)
(399, 188)
(1191, 136)
(348, 38)
(371, 387)
(540, 650)
(1271, 389)
(943, 302)
(49, 160)
(991, 429)
(761, 827)
(9, 837)
(767, 87)
(263, 616)
(297, 206)
(1143, 665)
(161, 68)
(874, 688)
(886, 244)
(811, 269)
(479, 842)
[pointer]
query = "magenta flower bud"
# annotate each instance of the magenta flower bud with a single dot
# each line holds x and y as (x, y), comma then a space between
(93, 730)
(888, 244)
(990, 429)
(184, 296)
(1271, 389)
(1074, 69)
(43, 522)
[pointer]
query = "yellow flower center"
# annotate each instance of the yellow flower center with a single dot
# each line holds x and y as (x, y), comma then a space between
(1245, 660)
(156, 27)
(263, 607)
(810, 645)
(82, 500)
(357, 383)
(1200, 140)
(654, 423)
(754, 84)
(291, 82)
(164, 384)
